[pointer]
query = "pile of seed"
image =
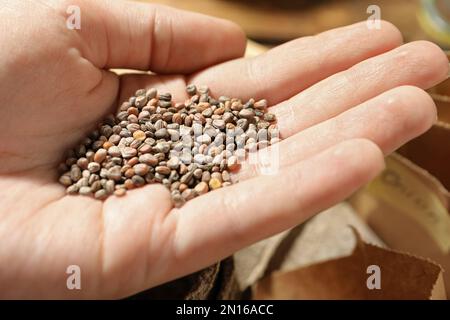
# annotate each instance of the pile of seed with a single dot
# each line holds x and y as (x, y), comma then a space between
(191, 147)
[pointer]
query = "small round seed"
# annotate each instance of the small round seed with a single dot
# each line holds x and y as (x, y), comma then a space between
(139, 135)
(219, 124)
(233, 164)
(206, 176)
(148, 159)
(137, 181)
(261, 104)
(100, 155)
(73, 189)
(120, 192)
(114, 173)
(94, 167)
(226, 176)
(173, 163)
(100, 194)
(198, 173)
(141, 169)
(201, 188)
(75, 173)
(128, 152)
(109, 186)
(163, 170)
(85, 191)
(83, 163)
(214, 184)
(114, 151)
(246, 113)
(65, 180)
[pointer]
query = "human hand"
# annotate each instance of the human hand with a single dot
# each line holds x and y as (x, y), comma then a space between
(342, 99)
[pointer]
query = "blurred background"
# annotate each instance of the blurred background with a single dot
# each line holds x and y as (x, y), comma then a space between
(272, 22)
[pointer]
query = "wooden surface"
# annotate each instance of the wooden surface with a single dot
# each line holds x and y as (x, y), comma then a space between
(266, 22)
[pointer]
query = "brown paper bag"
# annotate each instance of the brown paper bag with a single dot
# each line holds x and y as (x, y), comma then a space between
(370, 272)
(408, 204)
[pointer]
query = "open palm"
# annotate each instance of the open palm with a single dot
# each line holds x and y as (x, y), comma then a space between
(342, 99)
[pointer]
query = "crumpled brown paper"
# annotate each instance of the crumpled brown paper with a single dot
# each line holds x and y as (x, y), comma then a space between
(401, 277)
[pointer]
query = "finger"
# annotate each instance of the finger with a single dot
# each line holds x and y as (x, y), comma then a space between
(389, 120)
(421, 64)
(284, 71)
(125, 34)
(217, 224)
(133, 240)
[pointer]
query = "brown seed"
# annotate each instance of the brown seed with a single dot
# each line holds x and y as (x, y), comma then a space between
(151, 93)
(173, 163)
(148, 159)
(206, 176)
(100, 194)
(65, 180)
(203, 89)
(261, 104)
(128, 152)
(144, 115)
(73, 189)
(133, 161)
(236, 106)
(201, 188)
(114, 173)
(233, 164)
(85, 191)
(139, 135)
(188, 194)
(94, 167)
(219, 124)
(219, 111)
(138, 181)
(129, 173)
(226, 176)
(187, 177)
(145, 148)
(178, 200)
(75, 173)
(214, 184)
(269, 117)
(141, 169)
(114, 151)
(140, 101)
(176, 118)
(161, 133)
(227, 117)
(128, 184)
(107, 144)
(175, 185)
(183, 169)
(163, 170)
(246, 113)
(83, 163)
(191, 89)
(100, 155)
(109, 186)
(115, 139)
(198, 173)
(216, 175)
(120, 192)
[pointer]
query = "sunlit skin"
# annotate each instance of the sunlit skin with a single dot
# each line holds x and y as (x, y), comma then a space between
(343, 98)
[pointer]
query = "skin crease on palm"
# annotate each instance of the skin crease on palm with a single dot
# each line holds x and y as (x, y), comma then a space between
(343, 98)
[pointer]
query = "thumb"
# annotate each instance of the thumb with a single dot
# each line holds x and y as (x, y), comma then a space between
(126, 34)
